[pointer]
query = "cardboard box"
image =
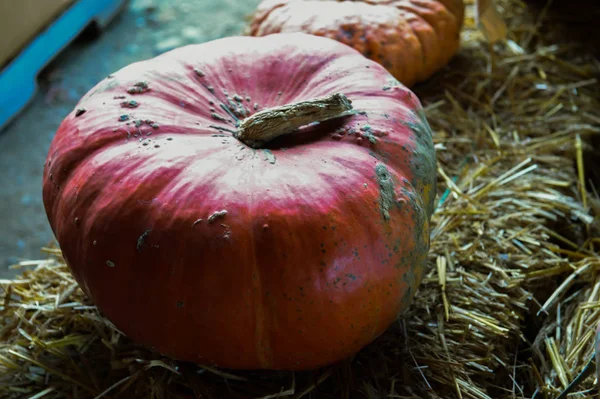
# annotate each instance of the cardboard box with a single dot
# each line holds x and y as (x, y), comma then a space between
(22, 20)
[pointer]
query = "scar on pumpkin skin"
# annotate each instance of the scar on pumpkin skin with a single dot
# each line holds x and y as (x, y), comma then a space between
(223, 106)
(229, 111)
(130, 104)
(216, 215)
(139, 87)
(218, 117)
(368, 134)
(269, 156)
(386, 190)
(141, 240)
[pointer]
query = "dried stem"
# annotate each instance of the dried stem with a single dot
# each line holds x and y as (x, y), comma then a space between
(268, 124)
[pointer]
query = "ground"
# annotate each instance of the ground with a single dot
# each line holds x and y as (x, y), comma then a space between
(143, 30)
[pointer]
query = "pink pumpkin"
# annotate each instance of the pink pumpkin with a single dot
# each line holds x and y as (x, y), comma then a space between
(211, 222)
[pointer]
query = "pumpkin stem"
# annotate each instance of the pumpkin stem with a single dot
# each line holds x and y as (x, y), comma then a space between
(265, 125)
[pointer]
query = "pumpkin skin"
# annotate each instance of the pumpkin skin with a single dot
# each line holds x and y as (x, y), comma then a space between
(413, 39)
(326, 230)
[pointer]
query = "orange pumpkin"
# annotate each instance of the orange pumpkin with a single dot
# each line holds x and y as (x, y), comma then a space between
(412, 39)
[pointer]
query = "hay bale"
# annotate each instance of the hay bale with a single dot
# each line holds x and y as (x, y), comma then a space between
(511, 297)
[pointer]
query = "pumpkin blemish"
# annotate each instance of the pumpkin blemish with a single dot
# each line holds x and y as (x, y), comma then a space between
(130, 104)
(216, 215)
(139, 87)
(368, 134)
(226, 109)
(141, 240)
(386, 190)
(218, 117)
(269, 156)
